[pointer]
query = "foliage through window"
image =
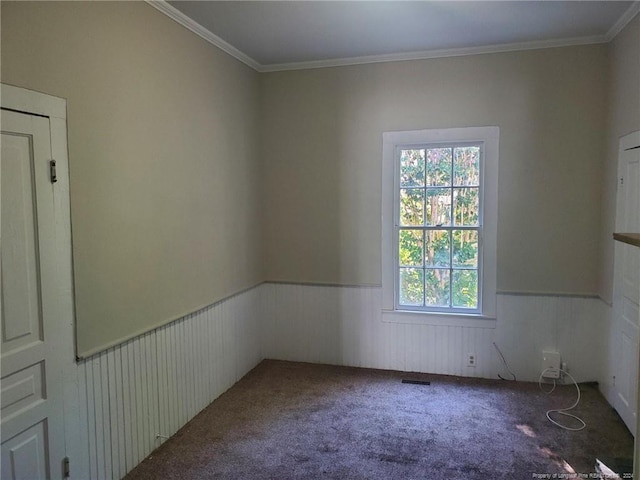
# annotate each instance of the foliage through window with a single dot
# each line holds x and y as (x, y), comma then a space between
(439, 227)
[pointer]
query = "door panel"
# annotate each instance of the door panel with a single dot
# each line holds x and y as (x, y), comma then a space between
(24, 456)
(22, 320)
(32, 411)
(23, 390)
(628, 370)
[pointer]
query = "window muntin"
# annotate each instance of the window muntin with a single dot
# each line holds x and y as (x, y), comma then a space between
(438, 227)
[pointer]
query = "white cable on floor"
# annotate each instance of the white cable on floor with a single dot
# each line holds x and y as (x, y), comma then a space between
(562, 411)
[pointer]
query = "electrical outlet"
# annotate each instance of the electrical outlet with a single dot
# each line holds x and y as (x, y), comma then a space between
(471, 359)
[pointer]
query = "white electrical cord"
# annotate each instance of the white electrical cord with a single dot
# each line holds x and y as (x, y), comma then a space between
(562, 411)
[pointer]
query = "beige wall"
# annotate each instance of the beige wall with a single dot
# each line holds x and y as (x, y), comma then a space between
(167, 172)
(623, 118)
(321, 136)
(162, 152)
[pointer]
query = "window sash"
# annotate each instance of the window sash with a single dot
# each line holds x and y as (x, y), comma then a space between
(451, 269)
(444, 227)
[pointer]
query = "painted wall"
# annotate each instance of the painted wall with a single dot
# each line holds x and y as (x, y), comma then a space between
(165, 182)
(322, 138)
(623, 118)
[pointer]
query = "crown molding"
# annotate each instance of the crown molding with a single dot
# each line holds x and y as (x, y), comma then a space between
(427, 54)
(202, 32)
(176, 15)
(622, 22)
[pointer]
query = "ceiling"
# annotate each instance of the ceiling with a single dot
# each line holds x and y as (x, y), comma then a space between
(280, 35)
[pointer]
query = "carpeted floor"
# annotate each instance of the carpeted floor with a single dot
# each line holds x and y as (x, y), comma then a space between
(288, 420)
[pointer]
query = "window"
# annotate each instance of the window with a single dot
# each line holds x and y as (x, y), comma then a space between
(439, 221)
(438, 226)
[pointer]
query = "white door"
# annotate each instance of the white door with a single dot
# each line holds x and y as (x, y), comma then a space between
(626, 294)
(31, 422)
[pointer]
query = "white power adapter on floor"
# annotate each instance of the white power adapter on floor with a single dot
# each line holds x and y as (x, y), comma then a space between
(550, 364)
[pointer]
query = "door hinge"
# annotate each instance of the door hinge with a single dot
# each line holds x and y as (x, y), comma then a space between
(52, 171)
(66, 471)
(621, 180)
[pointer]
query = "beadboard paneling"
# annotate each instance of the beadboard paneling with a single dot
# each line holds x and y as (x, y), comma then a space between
(156, 383)
(343, 326)
(571, 325)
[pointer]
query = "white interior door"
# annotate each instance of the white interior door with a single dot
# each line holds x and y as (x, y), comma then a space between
(31, 421)
(626, 295)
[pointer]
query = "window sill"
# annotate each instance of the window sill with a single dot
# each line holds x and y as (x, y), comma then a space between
(438, 319)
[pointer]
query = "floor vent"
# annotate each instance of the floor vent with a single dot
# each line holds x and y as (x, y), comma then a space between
(416, 382)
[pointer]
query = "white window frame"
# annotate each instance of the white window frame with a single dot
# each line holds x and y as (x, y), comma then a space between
(489, 138)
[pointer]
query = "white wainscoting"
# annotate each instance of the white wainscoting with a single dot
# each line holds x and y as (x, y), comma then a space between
(155, 383)
(343, 326)
(571, 325)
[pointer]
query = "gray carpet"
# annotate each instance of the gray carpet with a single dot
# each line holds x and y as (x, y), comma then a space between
(288, 420)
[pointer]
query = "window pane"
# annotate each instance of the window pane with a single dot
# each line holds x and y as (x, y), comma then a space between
(412, 206)
(466, 206)
(437, 248)
(465, 288)
(411, 248)
(411, 286)
(438, 206)
(412, 168)
(465, 248)
(466, 166)
(438, 167)
(436, 287)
